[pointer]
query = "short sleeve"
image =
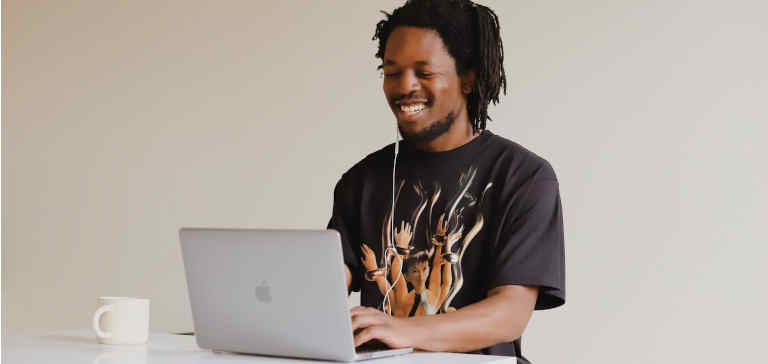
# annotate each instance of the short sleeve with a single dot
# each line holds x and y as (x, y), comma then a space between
(341, 221)
(531, 250)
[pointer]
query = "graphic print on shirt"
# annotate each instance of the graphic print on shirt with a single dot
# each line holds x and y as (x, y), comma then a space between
(427, 280)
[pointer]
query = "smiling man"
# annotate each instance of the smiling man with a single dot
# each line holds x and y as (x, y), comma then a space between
(470, 242)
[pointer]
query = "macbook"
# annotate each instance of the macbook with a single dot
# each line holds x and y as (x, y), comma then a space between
(271, 292)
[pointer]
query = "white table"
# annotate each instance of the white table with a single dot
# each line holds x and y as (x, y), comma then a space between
(80, 346)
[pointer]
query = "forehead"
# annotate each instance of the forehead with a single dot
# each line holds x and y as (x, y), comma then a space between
(414, 263)
(407, 46)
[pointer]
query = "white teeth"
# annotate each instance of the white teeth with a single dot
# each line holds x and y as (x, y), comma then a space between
(412, 108)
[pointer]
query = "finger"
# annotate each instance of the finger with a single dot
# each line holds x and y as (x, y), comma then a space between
(365, 320)
(357, 310)
(362, 309)
(365, 336)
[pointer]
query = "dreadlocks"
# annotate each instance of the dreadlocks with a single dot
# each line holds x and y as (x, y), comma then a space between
(471, 34)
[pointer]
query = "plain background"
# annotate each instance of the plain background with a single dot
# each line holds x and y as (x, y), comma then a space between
(125, 120)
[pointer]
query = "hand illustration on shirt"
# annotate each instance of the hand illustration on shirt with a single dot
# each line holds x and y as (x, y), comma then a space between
(442, 238)
(369, 258)
(399, 303)
(433, 274)
(403, 235)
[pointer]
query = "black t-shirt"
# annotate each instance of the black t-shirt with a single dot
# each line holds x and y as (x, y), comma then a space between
(479, 216)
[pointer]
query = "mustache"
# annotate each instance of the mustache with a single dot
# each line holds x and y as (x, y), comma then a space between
(410, 97)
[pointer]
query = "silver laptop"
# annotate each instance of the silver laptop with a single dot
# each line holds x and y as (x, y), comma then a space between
(271, 292)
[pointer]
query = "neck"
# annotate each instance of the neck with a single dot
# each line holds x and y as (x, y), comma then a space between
(420, 289)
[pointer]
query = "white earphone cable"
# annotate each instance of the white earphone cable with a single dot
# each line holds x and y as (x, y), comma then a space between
(386, 304)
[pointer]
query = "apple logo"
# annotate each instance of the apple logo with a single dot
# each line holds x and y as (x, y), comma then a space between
(262, 292)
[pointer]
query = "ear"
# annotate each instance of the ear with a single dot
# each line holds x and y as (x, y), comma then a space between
(468, 82)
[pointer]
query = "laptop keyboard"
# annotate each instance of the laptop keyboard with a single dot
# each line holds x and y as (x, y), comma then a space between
(373, 345)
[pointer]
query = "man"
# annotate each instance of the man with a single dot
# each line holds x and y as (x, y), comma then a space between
(474, 242)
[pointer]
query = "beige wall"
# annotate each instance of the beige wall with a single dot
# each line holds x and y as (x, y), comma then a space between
(125, 120)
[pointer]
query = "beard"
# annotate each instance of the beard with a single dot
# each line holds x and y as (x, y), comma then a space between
(431, 132)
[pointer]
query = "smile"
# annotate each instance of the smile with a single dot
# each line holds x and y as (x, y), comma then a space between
(410, 112)
(412, 109)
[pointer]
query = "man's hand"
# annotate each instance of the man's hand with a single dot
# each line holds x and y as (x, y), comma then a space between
(501, 317)
(369, 324)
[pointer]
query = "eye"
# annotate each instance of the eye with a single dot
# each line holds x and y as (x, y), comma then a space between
(391, 74)
(426, 74)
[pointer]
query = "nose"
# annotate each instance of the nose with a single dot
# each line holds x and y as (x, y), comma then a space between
(408, 82)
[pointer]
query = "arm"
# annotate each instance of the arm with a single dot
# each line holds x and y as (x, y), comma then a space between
(435, 274)
(369, 262)
(446, 266)
(402, 240)
(502, 317)
(447, 281)
(398, 277)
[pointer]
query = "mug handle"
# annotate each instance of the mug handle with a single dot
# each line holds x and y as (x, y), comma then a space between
(96, 316)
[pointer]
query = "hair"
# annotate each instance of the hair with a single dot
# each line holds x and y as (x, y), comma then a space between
(416, 259)
(472, 37)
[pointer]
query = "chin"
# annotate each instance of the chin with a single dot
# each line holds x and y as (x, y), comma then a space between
(420, 133)
(410, 129)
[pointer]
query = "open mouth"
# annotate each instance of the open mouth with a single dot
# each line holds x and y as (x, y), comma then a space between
(410, 111)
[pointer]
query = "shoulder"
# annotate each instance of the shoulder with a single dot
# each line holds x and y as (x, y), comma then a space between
(522, 164)
(525, 182)
(375, 161)
(382, 157)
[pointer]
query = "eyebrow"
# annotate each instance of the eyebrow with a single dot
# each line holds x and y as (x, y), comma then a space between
(389, 62)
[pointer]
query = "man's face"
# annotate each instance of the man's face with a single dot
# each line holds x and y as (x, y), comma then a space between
(421, 83)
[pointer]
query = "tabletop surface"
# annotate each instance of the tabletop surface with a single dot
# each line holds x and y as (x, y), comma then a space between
(81, 346)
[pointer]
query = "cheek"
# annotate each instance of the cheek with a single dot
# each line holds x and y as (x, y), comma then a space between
(387, 96)
(389, 87)
(447, 88)
(443, 93)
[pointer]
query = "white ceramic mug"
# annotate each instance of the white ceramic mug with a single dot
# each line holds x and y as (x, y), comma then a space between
(122, 320)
